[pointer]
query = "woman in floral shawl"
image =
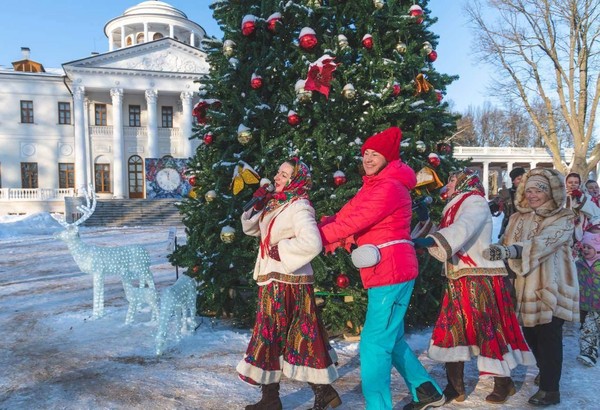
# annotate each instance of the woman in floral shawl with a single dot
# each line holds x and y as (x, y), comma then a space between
(477, 315)
(287, 337)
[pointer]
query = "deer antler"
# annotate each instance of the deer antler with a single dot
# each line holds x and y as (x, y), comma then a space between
(88, 209)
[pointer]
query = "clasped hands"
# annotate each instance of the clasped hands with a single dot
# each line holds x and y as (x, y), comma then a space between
(497, 252)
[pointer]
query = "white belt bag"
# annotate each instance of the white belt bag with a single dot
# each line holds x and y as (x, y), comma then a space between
(368, 255)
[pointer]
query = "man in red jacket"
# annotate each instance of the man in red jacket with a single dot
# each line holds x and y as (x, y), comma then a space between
(380, 214)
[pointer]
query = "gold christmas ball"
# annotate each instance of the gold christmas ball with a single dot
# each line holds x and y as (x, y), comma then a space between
(315, 3)
(401, 47)
(421, 147)
(427, 48)
(228, 234)
(210, 195)
(244, 137)
(228, 48)
(379, 4)
(348, 92)
(193, 193)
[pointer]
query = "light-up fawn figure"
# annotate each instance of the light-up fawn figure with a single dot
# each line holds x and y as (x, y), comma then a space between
(131, 262)
(177, 306)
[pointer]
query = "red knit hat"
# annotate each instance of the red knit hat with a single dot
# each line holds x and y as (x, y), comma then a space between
(387, 143)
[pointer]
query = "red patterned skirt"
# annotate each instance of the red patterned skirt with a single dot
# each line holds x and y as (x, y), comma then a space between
(477, 318)
(287, 338)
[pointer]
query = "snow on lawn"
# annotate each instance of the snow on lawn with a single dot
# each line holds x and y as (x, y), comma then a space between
(54, 356)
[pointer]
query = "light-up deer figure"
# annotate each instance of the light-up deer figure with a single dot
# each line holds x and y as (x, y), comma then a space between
(131, 262)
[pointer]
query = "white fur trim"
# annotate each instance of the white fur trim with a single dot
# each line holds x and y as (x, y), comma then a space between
(294, 372)
(496, 367)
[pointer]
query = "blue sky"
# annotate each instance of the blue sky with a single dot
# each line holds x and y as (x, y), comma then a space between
(64, 30)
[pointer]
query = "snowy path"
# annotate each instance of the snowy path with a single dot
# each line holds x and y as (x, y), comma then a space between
(53, 356)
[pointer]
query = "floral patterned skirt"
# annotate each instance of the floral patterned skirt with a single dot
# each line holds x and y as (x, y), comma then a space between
(477, 318)
(288, 338)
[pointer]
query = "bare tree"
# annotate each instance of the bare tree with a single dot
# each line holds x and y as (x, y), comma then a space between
(548, 51)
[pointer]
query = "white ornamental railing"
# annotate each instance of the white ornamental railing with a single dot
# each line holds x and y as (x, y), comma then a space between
(35, 194)
(138, 132)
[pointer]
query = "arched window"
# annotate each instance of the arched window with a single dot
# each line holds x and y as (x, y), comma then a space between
(129, 41)
(157, 36)
(139, 38)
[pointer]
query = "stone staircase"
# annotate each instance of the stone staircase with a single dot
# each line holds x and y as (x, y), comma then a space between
(133, 212)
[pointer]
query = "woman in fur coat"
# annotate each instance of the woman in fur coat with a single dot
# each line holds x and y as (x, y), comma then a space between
(537, 244)
(477, 317)
(288, 337)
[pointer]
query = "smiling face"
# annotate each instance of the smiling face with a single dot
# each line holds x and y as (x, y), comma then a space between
(284, 175)
(373, 162)
(588, 251)
(572, 183)
(593, 188)
(536, 197)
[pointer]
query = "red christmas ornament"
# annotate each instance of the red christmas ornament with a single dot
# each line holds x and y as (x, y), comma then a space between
(248, 25)
(307, 38)
(272, 22)
(342, 281)
(432, 56)
(367, 41)
(195, 269)
(293, 119)
(444, 148)
(256, 82)
(208, 139)
(444, 195)
(339, 178)
(438, 96)
(417, 12)
(396, 89)
(434, 160)
(192, 180)
(199, 112)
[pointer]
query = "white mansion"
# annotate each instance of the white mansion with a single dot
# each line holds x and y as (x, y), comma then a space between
(97, 119)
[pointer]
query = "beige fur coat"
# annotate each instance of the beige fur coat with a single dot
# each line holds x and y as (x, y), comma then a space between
(546, 283)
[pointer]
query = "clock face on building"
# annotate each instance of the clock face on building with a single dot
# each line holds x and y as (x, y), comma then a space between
(168, 179)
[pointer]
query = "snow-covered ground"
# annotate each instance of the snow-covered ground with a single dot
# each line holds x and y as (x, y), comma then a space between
(54, 356)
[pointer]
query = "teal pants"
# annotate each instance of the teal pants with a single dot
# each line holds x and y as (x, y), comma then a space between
(382, 345)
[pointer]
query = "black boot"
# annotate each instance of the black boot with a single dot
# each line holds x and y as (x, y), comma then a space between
(545, 398)
(455, 390)
(503, 388)
(428, 396)
(325, 396)
(270, 398)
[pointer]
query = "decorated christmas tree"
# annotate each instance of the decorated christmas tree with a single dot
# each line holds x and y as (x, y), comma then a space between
(312, 79)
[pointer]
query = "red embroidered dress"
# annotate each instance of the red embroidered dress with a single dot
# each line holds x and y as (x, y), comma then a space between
(477, 317)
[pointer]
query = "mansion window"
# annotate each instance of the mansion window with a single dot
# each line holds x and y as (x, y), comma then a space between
(66, 175)
(27, 112)
(29, 175)
(64, 113)
(102, 177)
(135, 113)
(157, 36)
(167, 117)
(139, 38)
(100, 112)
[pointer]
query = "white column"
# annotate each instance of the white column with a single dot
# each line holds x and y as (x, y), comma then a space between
(192, 39)
(509, 167)
(151, 99)
(186, 123)
(111, 41)
(532, 165)
(145, 32)
(123, 43)
(486, 178)
(118, 142)
(80, 157)
(171, 31)
(88, 143)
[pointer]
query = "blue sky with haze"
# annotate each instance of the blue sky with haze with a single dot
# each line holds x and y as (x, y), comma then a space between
(64, 30)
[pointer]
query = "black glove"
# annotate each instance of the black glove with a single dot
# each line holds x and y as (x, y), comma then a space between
(422, 212)
(423, 242)
(498, 252)
(264, 196)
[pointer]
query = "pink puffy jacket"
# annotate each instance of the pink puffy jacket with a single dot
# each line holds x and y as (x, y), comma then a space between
(380, 212)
